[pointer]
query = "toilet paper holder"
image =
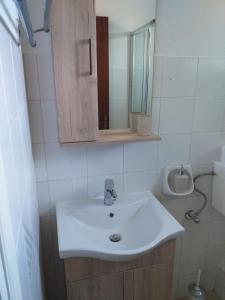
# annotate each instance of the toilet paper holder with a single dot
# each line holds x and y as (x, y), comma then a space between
(174, 184)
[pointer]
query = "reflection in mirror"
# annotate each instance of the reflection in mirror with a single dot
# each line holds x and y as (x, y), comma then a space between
(125, 48)
(141, 64)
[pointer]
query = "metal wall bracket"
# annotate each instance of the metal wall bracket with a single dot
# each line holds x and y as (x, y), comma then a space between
(26, 22)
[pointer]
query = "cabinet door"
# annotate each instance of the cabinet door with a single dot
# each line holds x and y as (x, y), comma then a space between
(150, 283)
(74, 56)
(108, 287)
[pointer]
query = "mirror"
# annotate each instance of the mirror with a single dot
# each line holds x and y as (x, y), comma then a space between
(125, 49)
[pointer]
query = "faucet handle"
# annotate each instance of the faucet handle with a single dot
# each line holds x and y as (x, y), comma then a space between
(109, 184)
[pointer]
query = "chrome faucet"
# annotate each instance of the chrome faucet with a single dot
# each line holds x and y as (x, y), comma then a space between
(110, 194)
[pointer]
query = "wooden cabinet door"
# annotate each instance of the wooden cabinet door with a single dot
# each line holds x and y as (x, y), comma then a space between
(73, 27)
(108, 287)
(150, 283)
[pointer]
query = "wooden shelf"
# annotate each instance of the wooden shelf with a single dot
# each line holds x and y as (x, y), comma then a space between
(124, 136)
(120, 136)
(112, 136)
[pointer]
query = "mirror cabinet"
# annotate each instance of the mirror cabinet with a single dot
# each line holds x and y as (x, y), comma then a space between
(103, 67)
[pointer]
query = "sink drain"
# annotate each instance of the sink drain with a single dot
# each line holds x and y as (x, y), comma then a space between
(115, 238)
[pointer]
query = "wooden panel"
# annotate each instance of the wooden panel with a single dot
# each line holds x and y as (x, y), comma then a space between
(129, 285)
(72, 27)
(153, 283)
(109, 287)
(102, 26)
(163, 253)
(81, 268)
(53, 267)
(121, 136)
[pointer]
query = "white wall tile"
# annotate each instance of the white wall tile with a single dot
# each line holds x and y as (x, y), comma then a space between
(142, 181)
(65, 161)
(43, 198)
(220, 284)
(176, 115)
(39, 162)
(105, 159)
(176, 208)
(60, 190)
(195, 238)
(156, 105)
(36, 123)
(96, 184)
(31, 75)
(140, 156)
(211, 80)
(217, 227)
(46, 77)
(209, 114)
(179, 77)
(157, 76)
(205, 147)
(80, 188)
(49, 116)
(215, 256)
(174, 149)
(191, 262)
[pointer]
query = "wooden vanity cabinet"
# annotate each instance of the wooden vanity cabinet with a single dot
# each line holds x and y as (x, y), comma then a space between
(73, 28)
(153, 282)
(108, 287)
(146, 278)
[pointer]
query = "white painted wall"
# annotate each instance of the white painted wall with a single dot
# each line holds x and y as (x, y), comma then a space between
(126, 15)
(190, 28)
(19, 227)
(188, 111)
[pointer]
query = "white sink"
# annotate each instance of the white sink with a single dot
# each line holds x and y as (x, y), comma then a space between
(139, 219)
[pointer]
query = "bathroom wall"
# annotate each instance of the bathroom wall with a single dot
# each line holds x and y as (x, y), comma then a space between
(19, 224)
(128, 17)
(188, 113)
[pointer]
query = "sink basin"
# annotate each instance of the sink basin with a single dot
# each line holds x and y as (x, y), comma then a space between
(134, 225)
